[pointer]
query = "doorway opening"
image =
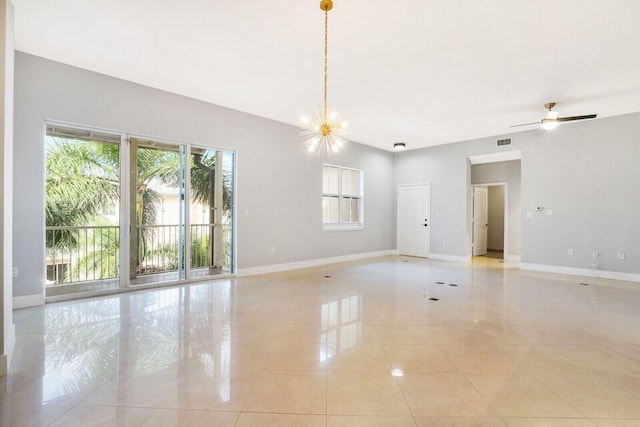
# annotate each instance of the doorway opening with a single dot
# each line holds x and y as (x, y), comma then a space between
(488, 220)
(499, 174)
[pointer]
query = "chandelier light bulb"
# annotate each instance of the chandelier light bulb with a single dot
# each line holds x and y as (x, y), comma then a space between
(324, 134)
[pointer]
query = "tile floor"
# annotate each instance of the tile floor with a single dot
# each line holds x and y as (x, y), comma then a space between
(503, 348)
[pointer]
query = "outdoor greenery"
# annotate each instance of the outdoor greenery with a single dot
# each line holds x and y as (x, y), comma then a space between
(83, 187)
(81, 182)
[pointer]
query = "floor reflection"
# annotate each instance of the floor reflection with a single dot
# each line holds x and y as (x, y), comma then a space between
(341, 324)
(88, 343)
(369, 346)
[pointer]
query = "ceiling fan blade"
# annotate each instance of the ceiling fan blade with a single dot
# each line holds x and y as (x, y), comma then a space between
(572, 118)
(525, 124)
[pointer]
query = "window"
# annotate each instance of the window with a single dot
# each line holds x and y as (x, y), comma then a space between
(341, 198)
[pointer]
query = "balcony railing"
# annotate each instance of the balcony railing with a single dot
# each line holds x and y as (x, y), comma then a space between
(92, 253)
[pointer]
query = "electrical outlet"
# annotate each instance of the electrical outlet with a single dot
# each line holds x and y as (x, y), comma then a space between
(273, 249)
(620, 255)
(14, 271)
(570, 252)
(595, 253)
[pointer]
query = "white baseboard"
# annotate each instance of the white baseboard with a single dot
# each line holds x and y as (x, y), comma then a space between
(28, 301)
(276, 268)
(509, 257)
(445, 257)
(5, 359)
(603, 274)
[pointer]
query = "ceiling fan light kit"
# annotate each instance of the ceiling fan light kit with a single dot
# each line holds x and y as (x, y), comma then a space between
(552, 120)
(549, 124)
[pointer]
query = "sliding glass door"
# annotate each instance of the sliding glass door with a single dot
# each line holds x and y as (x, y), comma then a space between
(157, 211)
(82, 193)
(211, 212)
(168, 219)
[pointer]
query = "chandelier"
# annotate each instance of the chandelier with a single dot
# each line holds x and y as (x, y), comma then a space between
(323, 131)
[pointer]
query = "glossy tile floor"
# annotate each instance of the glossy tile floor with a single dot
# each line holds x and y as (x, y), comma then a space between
(503, 347)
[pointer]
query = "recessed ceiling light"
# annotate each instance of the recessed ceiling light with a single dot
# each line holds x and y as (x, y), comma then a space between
(399, 146)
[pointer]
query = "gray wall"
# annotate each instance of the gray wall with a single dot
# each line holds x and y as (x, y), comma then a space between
(279, 184)
(6, 176)
(495, 235)
(508, 172)
(587, 173)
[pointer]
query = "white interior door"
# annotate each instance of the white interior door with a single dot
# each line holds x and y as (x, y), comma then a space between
(414, 225)
(480, 220)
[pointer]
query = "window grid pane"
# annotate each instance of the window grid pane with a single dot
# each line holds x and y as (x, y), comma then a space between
(341, 189)
(355, 210)
(325, 179)
(345, 181)
(355, 183)
(346, 210)
(332, 180)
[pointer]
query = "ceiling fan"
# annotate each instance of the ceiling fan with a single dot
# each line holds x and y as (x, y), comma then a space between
(552, 120)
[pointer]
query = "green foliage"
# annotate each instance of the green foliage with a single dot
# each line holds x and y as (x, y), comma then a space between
(83, 183)
(202, 180)
(102, 262)
(160, 259)
(199, 250)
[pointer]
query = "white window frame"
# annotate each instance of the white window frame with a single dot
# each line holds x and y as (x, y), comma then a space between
(340, 226)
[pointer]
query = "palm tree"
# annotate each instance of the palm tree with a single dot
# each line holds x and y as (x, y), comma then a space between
(82, 183)
(165, 167)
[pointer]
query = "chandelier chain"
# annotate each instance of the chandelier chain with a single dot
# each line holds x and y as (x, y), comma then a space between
(326, 39)
(324, 133)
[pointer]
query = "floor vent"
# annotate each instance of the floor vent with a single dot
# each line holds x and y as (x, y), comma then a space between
(502, 142)
(434, 299)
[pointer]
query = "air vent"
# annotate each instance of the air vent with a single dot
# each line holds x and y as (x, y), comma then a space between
(502, 142)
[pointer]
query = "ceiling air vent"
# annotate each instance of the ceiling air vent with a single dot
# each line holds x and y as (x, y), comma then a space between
(504, 142)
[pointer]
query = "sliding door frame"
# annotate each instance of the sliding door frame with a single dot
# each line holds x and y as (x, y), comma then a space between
(126, 228)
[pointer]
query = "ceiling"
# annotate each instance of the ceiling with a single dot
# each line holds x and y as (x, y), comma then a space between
(424, 72)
